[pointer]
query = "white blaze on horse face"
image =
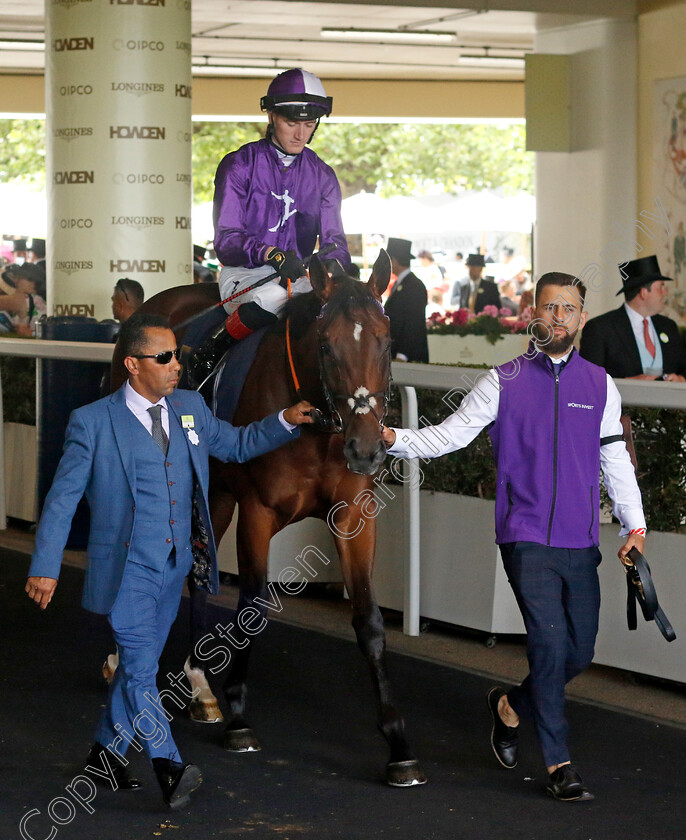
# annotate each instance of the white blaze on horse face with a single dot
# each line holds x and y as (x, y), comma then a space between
(357, 332)
(361, 402)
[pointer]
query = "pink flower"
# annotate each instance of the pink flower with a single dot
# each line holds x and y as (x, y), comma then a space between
(527, 314)
(490, 310)
(504, 312)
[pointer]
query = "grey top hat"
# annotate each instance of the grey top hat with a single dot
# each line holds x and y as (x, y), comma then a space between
(400, 250)
(475, 259)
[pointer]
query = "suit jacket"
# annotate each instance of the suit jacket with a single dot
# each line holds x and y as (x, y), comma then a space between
(406, 310)
(487, 294)
(98, 460)
(609, 341)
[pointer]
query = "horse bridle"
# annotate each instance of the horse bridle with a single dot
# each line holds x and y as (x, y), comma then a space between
(361, 401)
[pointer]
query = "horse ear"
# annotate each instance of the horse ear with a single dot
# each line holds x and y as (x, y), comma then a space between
(381, 274)
(322, 283)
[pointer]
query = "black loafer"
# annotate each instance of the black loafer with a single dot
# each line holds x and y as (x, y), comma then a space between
(504, 738)
(106, 767)
(565, 784)
(177, 781)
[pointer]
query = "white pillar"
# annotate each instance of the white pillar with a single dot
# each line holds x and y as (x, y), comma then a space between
(118, 88)
(586, 198)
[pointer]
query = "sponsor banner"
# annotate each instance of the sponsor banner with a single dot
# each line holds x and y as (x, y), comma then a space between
(118, 103)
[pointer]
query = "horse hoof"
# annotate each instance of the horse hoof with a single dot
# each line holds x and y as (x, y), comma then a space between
(241, 740)
(205, 711)
(404, 773)
(109, 666)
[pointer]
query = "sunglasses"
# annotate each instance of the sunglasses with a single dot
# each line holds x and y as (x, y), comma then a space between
(163, 358)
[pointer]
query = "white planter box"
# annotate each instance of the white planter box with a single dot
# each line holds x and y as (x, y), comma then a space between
(475, 349)
(20, 451)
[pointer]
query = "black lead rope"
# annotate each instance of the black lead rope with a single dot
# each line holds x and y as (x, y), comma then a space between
(640, 587)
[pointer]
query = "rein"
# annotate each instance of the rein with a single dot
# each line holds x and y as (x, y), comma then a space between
(361, 402)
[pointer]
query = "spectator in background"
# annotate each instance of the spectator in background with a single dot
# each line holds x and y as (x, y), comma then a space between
(126, 298)
(475, 292)
(430, 273)
(23, 300)
(18, 251)
(203, 274)
(406, 306)
(199, 253)
(508, 296)
(36, 252)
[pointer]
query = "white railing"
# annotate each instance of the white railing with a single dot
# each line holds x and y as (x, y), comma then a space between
(407, 376)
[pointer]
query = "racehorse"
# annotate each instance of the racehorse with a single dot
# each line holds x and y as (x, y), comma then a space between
(338, 339)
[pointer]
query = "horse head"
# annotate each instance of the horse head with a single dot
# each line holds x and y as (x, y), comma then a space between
(354, 344)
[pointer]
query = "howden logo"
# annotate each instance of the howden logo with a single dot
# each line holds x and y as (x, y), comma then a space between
(142, 266)
(137, 132)
(74, 177)
(71, 44)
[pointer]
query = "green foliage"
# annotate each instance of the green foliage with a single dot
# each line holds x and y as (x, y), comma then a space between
(211, 141)
(18, 389)
(491, 327)
(22, 151)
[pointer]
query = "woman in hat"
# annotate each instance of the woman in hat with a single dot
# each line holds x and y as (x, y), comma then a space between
(273, 199)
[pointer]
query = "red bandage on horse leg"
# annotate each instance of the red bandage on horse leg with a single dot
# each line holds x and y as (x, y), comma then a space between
(236, 328)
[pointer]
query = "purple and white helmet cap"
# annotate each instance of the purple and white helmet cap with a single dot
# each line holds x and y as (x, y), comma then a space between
(297, 95)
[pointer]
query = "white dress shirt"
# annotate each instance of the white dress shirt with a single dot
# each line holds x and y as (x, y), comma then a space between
(480, 408)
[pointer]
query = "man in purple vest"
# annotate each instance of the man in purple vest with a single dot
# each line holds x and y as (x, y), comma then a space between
(554, 420)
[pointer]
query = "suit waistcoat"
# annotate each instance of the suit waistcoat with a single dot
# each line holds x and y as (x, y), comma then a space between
(164, 489)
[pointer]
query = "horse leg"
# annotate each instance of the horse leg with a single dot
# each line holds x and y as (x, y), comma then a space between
(256, 526)
(356, 556)
(204, 707)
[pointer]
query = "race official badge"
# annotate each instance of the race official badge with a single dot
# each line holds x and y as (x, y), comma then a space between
(193, 437)
(188, 423)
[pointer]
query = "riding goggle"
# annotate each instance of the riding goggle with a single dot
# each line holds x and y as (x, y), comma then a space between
(163, 358)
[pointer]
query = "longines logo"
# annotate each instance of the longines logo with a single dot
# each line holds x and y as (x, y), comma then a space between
(137, 2)
(183, 45)
(137, 132)
(74, 309)
(183, 136)
(74, 176)
(70, 266)
(155, 46)
(76, 90)
(183, 222)
(80, 224)
(67, 4)
(183, 91)
(183, 177)
(138, 222)
(138, 88)
(138, 178)
(183, 268)
(71, 133)
(147, 266)
(70, 44)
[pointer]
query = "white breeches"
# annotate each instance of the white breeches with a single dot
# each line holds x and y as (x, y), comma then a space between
(271, 297)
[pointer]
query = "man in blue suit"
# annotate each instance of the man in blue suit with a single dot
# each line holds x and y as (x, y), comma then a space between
(141, 458)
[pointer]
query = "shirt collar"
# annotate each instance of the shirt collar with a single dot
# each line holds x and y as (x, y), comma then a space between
(635, 317)
(138, 403)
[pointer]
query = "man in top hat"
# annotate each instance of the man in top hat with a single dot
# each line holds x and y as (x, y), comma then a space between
(36, 250)
(635, 341)
(18, 251)
(406, 306)
(475, 292)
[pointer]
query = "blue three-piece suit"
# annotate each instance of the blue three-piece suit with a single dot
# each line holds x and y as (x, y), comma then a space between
(139, 547)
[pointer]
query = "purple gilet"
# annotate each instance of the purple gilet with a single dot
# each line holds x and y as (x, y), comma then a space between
(259, 202)
(546, 441)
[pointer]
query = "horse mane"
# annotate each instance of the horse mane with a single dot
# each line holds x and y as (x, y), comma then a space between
(301, 311)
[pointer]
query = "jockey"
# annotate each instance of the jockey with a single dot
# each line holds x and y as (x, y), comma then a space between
(273, 198)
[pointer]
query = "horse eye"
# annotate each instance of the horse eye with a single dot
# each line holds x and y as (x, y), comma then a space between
(325, 349)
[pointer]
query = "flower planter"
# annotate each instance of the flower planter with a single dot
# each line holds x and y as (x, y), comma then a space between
(475, 349)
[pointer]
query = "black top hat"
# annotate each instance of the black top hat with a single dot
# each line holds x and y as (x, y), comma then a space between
(476, 259)
(640, 272)
(199, 252)
(18, 245)
(37, 245)
(400, 250)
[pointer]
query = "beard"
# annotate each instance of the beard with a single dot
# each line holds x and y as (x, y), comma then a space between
(550, 344)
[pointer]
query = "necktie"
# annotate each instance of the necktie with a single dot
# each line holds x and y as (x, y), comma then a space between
(650, 347)
(158, 433)
(472, 296)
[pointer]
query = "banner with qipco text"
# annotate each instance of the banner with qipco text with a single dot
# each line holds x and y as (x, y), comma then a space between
(118, 148)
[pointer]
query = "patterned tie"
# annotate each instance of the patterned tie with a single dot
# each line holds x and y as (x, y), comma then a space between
(158, 433)
(650, 347)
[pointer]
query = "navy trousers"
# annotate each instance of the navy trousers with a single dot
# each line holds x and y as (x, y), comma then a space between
(558, 593)
(142, 615)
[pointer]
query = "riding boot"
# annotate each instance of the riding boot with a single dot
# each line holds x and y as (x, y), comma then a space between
(204, 360)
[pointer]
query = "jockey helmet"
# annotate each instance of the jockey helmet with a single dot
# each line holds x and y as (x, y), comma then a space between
(297, 95)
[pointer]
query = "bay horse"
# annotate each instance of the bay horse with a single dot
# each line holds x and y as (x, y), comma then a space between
(340, 344)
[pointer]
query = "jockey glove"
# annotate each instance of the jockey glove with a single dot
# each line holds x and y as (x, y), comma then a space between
(288, 265)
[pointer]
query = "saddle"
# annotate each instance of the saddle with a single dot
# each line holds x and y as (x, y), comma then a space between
(641, 589)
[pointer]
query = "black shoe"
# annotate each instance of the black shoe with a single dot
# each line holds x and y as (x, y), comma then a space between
(565, 784)
(108, 771)
(177, 781)
(504, 738)
(206, 357)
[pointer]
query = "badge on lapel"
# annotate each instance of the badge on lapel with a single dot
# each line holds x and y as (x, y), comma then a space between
(664, 338)
(188, 423)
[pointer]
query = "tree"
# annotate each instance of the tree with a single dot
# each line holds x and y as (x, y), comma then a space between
(22, 151)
